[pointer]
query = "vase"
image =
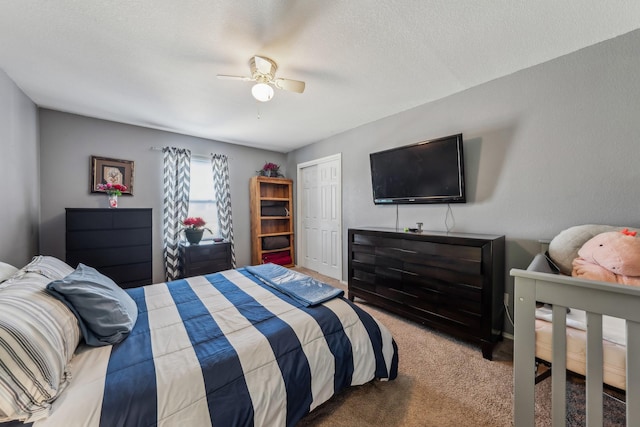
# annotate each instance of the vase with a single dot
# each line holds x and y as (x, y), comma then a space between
(113, 201)
(193, 236)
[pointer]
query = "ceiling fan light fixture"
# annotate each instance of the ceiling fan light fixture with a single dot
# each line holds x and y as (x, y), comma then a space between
(262, 92)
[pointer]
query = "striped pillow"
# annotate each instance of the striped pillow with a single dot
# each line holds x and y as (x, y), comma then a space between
(48, 266)
(38, 336)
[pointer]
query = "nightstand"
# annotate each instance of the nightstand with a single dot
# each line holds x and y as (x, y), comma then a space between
(204, 258)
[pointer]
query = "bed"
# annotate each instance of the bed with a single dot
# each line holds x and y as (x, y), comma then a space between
(598, 337)
(221, 349)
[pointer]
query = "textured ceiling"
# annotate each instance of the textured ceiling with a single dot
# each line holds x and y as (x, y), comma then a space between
(153, 63)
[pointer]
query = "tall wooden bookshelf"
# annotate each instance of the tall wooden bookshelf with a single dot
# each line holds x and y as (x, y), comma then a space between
(271, 210)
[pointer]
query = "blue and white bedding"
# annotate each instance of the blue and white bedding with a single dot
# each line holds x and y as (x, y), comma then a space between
(224, 350)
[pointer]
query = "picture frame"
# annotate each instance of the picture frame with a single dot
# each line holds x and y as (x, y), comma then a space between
(116, 171)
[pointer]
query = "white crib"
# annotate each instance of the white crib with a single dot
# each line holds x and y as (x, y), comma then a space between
(596, 299)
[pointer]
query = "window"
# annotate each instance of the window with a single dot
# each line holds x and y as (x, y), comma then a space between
(202, 196)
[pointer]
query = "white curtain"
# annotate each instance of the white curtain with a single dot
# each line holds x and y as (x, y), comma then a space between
(220, 165)
(177, 179)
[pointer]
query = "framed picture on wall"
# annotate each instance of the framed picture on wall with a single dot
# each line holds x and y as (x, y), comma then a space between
(114, 171)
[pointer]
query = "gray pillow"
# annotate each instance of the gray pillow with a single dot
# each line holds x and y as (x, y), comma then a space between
(105, 312)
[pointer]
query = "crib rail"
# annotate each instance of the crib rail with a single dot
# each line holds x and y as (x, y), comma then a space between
(596, 299)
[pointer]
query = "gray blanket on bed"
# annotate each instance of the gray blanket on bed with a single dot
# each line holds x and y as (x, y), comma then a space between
(301, 287)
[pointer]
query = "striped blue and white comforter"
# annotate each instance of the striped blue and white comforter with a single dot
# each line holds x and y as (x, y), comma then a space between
(224, 350)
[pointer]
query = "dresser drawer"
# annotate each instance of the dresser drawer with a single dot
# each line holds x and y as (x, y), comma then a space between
(442, 249)
(202, 268)
(124, 275)
(113, 238)
(106, 219)
(207, 253)
(109, 256)
(456, 273)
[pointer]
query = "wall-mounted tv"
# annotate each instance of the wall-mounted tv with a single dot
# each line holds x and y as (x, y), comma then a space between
(427, 172)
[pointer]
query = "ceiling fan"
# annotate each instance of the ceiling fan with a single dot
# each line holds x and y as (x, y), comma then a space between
(263, 72)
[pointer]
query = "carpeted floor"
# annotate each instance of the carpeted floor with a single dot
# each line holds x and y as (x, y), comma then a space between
(442, 382)
(613, 408)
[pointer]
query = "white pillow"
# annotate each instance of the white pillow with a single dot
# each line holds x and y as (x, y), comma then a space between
(6, 271)
(38, 336)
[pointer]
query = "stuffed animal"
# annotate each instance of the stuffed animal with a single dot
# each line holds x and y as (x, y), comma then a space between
(612, 256)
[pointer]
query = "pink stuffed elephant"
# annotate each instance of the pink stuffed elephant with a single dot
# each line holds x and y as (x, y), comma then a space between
(610, 257)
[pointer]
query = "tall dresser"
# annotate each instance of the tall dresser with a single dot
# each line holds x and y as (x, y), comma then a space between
(116, 242)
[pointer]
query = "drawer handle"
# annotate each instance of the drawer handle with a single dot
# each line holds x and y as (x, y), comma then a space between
(403, 271)
(404, 250)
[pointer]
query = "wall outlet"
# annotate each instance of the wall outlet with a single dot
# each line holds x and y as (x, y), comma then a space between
(506, 299)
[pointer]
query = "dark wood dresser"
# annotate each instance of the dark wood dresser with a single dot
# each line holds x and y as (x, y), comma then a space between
(453, 282)
(116, 242)
(204, 258)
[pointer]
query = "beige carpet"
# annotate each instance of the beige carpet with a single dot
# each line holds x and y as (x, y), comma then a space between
(441, 382)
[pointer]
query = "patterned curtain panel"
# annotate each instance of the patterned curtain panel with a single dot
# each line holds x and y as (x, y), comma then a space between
(220, 165)
(177, 178)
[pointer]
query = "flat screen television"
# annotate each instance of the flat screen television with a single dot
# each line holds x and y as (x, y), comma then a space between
(427, 172)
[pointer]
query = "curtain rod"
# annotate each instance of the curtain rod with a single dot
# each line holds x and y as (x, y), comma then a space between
(192, 154)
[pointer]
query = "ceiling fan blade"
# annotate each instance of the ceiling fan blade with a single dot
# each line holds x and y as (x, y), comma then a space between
(291, 85)
(264, 65)
(242, 78)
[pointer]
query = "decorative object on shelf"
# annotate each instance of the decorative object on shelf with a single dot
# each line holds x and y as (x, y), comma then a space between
(113, 191)
(194, 229)
(111, 171)
(271, 170)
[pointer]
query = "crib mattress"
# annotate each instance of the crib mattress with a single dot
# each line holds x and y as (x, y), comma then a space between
(614, 353)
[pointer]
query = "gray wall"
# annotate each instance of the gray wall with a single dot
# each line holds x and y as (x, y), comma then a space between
(546, 148)
(68, 141)
(19, 186)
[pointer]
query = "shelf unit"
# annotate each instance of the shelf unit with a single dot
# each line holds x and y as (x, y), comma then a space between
(275, 194)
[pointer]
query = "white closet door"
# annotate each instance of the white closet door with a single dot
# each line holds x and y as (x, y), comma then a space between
(320, 210)
(308, 243)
